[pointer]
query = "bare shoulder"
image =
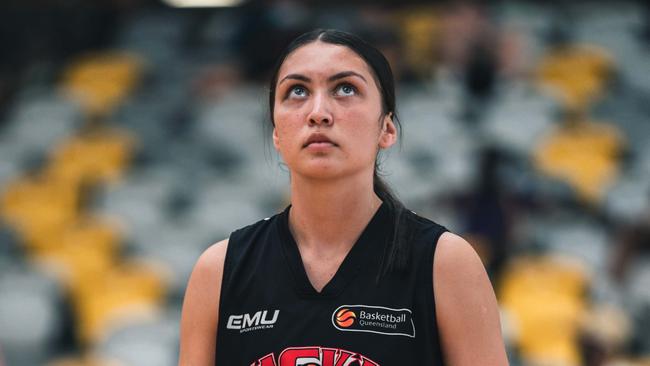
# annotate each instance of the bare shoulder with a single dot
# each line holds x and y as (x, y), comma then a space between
(208, 269)
(456, 259)
(212, 259)
(466, 308)
(205, 280)
(200, 315)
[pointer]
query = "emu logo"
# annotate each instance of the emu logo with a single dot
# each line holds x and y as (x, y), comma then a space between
(247, 322)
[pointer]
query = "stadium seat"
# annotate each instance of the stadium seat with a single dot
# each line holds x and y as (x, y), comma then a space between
(583, 153)
(544, 297)
(101, 81)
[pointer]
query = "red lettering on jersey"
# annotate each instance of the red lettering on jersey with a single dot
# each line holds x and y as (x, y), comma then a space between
(343, 357)
(328, 356)
(322, 356)
(267, 360)
(334, 357)
(290, 356)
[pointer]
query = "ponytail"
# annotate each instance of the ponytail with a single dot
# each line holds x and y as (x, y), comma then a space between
(396, 246)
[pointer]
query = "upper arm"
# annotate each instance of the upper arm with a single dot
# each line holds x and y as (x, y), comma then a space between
(466, 307)
(200, 314)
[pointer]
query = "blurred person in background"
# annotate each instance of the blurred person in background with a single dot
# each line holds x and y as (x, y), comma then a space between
(645, 31)
(473, 49)
(265, 27)
(488, 213)
(278, 290)
(633, 242)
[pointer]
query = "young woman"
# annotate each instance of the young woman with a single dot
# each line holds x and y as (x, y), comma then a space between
(345, 275)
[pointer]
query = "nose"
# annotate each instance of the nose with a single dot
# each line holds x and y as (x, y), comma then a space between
(320, 111)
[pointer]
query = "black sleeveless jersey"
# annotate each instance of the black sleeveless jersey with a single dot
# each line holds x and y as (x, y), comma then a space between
(270, 314)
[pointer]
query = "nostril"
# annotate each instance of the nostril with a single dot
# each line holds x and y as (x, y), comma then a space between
(319, 120)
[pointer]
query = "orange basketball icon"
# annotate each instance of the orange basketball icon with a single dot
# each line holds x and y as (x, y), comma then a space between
(345, 318)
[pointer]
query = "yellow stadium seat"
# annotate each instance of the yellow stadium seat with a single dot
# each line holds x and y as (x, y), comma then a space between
(544, 298)
(101, 81)
(78, 252)
(585, 154)
(575, 74)
(38, 205)
(100, 156)
(420, 27)
(126, 292)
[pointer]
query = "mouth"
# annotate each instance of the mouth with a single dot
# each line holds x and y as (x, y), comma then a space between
(318, 140)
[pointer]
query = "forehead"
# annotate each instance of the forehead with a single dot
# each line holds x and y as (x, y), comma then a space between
(318, 59)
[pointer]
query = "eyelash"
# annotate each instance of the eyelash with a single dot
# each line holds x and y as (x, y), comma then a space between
(292, 88)
(354, 89)
(338, 86)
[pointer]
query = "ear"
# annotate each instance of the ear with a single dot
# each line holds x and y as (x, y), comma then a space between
(276, 139)
(388, 134)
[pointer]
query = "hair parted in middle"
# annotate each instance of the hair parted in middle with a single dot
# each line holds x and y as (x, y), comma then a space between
(396, 250)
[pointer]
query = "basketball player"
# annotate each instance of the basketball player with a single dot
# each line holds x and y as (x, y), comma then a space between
(345, 275)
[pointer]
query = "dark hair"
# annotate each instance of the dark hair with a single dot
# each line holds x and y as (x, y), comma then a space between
(396, 252)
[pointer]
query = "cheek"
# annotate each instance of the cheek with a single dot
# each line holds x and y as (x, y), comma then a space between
(287, 124)
(365, 130)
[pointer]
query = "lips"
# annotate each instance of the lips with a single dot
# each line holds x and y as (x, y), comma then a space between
(318, 138)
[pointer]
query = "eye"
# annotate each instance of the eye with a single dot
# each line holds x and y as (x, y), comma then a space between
(298, 91)
(345, 90)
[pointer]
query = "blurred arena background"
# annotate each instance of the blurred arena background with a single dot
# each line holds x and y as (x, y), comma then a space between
(134, 134)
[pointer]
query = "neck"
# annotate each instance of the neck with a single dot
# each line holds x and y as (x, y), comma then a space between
(330, 216)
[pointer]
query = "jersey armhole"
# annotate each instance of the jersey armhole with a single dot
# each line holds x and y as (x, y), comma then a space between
(233, 239)
(432, 301)
(225, 280)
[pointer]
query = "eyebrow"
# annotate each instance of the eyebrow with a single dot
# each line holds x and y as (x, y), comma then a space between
(340, 75)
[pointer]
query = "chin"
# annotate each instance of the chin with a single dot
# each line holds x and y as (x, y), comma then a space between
(320, 170)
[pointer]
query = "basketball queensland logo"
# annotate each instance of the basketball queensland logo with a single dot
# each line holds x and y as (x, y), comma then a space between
(374, 319)
(345, 318)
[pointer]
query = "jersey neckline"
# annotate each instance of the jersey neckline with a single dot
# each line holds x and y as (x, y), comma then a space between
(369, 244)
